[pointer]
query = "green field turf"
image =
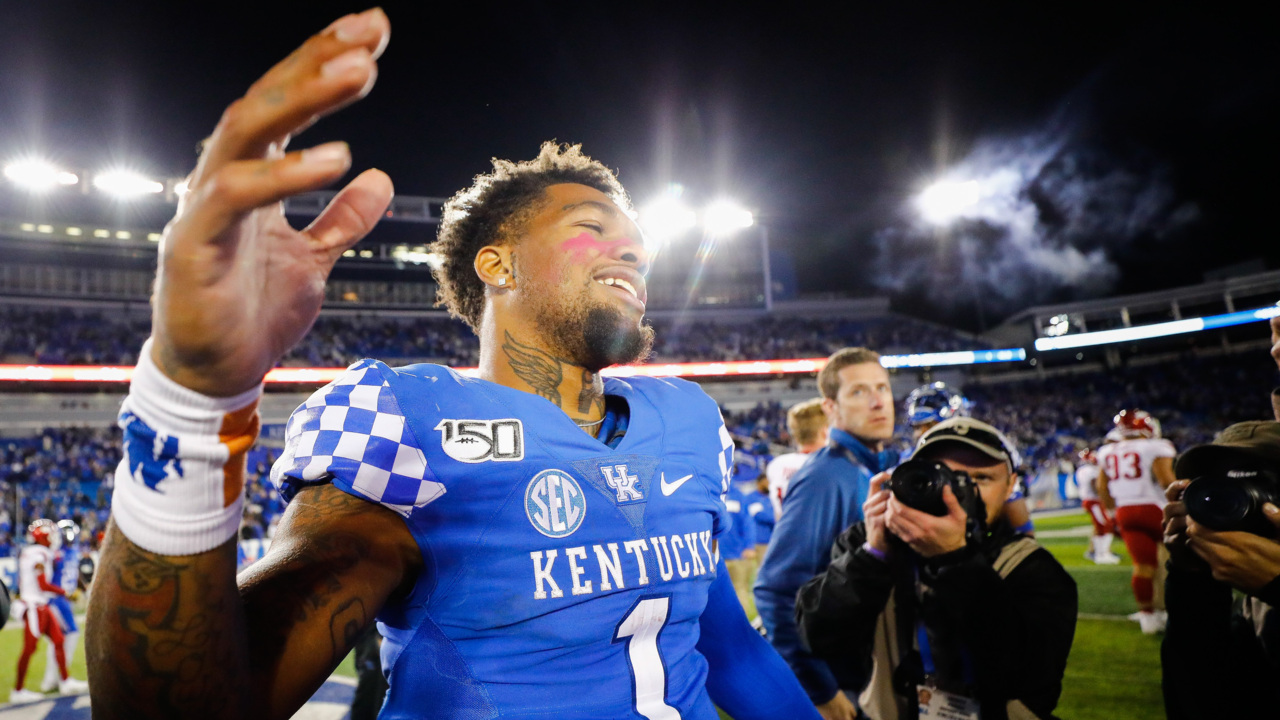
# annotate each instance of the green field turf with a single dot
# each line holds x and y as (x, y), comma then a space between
(1113, 672)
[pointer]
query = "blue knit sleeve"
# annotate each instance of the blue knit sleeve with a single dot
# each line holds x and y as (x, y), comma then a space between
(745, 677)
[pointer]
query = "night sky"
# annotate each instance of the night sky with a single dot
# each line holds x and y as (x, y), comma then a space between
(1122, 150)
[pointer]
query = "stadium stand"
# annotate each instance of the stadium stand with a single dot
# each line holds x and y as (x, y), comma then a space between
(66, 473)
(69, 336)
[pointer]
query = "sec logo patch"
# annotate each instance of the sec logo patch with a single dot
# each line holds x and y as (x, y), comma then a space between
(554, 503)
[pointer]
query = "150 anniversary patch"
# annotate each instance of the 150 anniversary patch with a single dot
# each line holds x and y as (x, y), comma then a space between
(477, 441)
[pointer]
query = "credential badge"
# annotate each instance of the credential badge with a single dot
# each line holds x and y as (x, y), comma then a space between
(477, 441)
(554, 503)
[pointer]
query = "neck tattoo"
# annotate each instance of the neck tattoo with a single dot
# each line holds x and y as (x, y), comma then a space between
(544, 373)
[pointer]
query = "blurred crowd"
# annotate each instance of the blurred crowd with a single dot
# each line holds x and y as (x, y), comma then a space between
(67, 472)
(63, 473)
(66, 336)
(1051, 419)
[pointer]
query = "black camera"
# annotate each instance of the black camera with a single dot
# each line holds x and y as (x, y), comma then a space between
(1233, 499)
(918, 484)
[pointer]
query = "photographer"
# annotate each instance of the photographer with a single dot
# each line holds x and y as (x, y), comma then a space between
(1220, 526)
(945, 605)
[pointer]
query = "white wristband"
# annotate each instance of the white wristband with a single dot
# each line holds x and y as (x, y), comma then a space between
(179, 489)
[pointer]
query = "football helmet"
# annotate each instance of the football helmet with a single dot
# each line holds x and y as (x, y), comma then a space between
(934, 403)
(45, 532)
(1135, 423)
(1087, 456)
(70, 531)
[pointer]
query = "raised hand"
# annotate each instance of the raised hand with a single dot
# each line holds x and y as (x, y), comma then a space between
(236, 285)
(927, 534)
(873, 511)
(1175, 528)
(1275, 339)
(1242, 560)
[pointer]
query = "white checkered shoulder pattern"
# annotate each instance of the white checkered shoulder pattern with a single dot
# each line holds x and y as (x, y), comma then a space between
(352, 433)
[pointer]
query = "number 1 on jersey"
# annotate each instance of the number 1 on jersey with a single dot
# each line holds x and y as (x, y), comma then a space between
(639, 629)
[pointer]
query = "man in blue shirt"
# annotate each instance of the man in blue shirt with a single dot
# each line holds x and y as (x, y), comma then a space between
(824, 498)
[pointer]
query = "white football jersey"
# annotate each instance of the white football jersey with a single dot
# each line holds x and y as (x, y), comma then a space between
(1086, 479)
(29, 560)
(1128, 466)
(779, 472)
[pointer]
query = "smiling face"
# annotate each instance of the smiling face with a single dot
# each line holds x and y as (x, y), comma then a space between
(578, 277)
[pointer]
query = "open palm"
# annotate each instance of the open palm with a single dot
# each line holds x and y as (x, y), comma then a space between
(237, 286)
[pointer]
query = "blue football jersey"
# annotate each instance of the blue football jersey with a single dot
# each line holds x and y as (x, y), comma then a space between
(66, 569)
(761, 512)
(564, 579)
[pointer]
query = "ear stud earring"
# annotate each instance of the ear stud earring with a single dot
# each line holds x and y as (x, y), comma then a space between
(502, 281)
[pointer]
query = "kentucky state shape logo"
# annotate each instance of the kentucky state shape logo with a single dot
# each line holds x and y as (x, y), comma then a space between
(152, 457)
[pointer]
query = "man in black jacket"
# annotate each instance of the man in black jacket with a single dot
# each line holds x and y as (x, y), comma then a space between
(1220, 660)
(916, 609)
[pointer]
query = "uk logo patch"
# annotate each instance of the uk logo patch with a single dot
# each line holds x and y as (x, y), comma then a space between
(477, 441)
(554, 503)
(622, 482)
(152, 457)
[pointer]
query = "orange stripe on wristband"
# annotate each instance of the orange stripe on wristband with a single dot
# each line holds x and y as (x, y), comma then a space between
(239, 432)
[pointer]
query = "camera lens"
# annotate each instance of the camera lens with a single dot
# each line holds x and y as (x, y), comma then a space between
(1218, 504)
(918, 484)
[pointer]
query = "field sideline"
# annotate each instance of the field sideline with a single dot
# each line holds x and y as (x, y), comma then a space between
(1113, 672)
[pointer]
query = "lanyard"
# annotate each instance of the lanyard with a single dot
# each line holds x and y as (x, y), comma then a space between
(926, 651)
(926, 655)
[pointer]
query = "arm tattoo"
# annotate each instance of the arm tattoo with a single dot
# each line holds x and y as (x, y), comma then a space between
(152, 651)
(540, 370)
(306, 583)
(175, 637)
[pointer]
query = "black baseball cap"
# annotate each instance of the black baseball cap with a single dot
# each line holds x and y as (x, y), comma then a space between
(1243, 445)
(975, 434)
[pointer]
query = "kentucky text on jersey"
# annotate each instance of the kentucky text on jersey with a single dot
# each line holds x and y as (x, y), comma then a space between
(668, 562)
(552, 561)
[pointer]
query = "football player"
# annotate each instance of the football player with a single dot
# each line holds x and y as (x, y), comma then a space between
(536, 541)
(761, 511)
(1103, 526)
(807, 424)
(1134, 471)
(929, 405)
(35, 588)
(66, 575)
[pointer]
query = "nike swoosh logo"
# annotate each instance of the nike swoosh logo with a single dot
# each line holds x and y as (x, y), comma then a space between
(670, 487)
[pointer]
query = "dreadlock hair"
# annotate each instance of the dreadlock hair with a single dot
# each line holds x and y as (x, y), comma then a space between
(494, 211)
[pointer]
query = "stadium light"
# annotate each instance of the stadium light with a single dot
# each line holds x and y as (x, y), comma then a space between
(38, 175)
(1146, 332)
(724, 217)
(125, 184)
(946, 200)
(666, 218)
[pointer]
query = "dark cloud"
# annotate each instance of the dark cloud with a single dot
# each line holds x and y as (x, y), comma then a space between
(1036, 217)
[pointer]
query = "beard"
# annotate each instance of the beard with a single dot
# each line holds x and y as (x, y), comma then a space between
(588, 333)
